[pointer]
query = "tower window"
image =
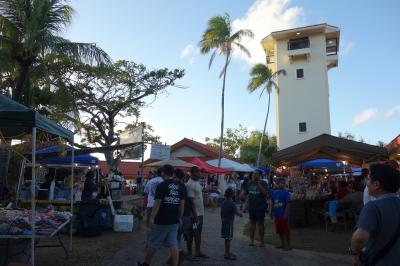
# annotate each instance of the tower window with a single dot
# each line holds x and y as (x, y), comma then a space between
(300, 73)
(303, 127)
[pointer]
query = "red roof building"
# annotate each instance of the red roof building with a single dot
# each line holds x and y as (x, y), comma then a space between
(128, 169)
(187, 148)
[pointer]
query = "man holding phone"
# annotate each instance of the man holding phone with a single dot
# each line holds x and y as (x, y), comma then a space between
(257, 204)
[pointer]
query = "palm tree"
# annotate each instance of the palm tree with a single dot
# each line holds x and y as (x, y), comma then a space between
(263, 77)
(29, 31)
(218, 37)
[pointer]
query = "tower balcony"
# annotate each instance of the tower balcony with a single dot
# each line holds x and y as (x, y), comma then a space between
(299, 47)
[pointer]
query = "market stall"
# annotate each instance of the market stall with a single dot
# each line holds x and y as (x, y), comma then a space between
(16, 121)
(316, 165)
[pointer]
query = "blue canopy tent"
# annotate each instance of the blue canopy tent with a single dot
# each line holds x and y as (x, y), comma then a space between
(85, 159)
(322, 163)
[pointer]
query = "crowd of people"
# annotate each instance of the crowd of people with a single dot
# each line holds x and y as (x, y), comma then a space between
(175, 213)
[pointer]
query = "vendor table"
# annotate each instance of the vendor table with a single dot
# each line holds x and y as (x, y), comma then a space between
(38, 238)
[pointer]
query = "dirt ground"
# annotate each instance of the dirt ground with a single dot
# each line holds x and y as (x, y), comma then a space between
(86, 251)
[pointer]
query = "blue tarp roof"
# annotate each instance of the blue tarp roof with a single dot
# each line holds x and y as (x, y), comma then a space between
(81, 158)
(264, 169)
(321, 163)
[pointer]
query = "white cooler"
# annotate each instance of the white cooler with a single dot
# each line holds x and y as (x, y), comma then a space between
(123, 223)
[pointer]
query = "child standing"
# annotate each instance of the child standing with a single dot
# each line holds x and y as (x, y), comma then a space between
(228, 211)
(280, 211)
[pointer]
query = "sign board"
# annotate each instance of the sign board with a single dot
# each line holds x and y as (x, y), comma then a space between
(160, 152)
(132, 135)
(132, 153)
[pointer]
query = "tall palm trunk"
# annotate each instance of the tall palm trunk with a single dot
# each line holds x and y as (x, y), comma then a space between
(222, 112)
(21, 82)
(265, 128)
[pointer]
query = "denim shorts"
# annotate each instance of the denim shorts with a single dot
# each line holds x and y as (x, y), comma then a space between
(166, 235)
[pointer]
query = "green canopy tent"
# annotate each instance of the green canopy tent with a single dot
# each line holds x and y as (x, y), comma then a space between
(17, 120)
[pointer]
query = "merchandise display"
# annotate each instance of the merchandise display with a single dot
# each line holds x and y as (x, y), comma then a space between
(17, 222)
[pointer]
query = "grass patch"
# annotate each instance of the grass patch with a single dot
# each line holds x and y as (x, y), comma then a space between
(309, 238)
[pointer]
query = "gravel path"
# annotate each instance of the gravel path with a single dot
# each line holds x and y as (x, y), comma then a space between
(213, 247)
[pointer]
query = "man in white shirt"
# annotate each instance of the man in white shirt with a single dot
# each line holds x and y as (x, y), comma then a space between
(195, 197)
(150, 191)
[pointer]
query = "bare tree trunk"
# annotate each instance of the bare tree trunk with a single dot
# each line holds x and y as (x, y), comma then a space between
(265, 128)
(221, 151)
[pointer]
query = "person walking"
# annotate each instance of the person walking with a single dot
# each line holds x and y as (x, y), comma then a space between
(257, 205)
(376, 239)
(150, 191)
(195, 197)
(228, 212)
(166, 216)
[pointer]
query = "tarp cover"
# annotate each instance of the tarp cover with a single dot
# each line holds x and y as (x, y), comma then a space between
(16, 119)
(207, 167)
(231, 165)
(330, 147)
(85, 159)
(173, 161)
(322, 163)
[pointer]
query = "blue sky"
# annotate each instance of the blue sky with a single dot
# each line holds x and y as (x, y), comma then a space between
(364, 89)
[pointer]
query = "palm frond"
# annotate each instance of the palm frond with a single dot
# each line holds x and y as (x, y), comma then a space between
(238, 36)
(83, 52)
(212, 58)
(272, 84)
(242, 48)
(228, 60)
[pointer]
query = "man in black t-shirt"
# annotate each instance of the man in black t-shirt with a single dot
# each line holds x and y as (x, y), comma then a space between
(166, 216)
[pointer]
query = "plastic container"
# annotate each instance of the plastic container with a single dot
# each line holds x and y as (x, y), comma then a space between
(123, 223)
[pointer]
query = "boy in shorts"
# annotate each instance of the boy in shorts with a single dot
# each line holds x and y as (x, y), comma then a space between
(280, 211)
(228, 212)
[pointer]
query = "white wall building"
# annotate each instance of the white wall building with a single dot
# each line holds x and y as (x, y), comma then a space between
(302, 104)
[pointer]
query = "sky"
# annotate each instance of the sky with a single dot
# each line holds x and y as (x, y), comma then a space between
(364, 88)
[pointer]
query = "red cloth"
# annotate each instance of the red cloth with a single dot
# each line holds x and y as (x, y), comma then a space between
(207, 167)
(342, 193)
(282, 225)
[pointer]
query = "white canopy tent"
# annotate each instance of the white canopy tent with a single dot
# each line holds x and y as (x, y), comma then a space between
(231, 165)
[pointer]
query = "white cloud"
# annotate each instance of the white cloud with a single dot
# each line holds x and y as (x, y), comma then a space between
(346, 46)
(364, 116)
(264, 17)
(187, 50)
(392, 112)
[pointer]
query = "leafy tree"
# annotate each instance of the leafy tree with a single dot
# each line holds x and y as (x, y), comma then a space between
(263, 77)
(381, 144)
(249, 148)
(233, 139)
(111, 96)
(349, 136)
(28, 33)
(219, 38)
